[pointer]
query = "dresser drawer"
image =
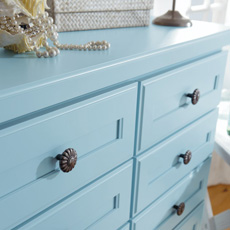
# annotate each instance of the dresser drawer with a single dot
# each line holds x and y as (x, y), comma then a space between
(190, 190)
(166, 108)
(103, 205)
(162, 167)
(192, 222)
(101, 130)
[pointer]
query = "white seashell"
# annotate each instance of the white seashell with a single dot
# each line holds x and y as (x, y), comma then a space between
(30, 8)
(19, 43)
(7, 39)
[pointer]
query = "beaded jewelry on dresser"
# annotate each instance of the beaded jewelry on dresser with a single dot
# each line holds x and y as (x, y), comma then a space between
(22, 33)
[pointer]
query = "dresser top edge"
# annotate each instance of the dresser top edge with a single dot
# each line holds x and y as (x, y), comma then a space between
(22, 72)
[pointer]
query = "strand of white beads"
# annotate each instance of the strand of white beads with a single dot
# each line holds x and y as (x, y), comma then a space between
(43, 24)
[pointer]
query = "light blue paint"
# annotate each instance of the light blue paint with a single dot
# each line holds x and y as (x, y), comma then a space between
(126, 114)
(192, 221)
(99, 145)
(207, 75)
(126, 227)
(93, 207)
(28, 84)
(162, 163)
(191, 190)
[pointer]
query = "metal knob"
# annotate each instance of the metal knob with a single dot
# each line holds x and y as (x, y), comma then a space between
(179, 208)
(67, 160)
(187, 157)
(195, 96)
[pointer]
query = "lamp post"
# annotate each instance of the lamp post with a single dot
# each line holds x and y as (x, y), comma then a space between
(172, 18)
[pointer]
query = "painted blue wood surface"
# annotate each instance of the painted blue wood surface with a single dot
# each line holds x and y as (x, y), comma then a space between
(33, 84)
(190, 190)
(98, 128)
(161, 168)
(165, 107)
(192, 221)
(126, 227)
(109, 106)
(101, 130)
(104, 205)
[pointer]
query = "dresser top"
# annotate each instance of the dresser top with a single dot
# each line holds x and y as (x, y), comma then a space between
(26, 70)
(134, 52)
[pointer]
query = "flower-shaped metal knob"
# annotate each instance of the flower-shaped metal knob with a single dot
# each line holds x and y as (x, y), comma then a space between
(67, 160)
(187, 157)
(179, 208)
(195, 96)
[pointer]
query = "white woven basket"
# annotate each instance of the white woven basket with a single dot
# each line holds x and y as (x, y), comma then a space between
(101, 20)
(62, 6)
(70, 15)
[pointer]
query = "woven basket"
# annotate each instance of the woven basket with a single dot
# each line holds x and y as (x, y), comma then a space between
(70, 15)
(101, 20)
(62, 6)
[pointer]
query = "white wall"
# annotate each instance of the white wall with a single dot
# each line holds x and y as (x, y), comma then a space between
(162, 6)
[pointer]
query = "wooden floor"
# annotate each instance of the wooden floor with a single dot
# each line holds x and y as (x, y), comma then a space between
(220, 198)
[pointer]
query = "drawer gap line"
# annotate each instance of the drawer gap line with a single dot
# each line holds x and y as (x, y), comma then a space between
(174, 132)
(216, 82)
(137, 185)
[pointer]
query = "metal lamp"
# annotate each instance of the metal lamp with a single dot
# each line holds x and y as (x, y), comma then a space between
(172, 18)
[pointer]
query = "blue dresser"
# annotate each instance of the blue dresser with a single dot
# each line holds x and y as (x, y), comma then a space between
(139, 119)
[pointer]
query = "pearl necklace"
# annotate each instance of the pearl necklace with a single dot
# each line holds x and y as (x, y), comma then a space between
(43, 24)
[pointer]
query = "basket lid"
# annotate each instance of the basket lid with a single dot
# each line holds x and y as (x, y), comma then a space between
(67, 6)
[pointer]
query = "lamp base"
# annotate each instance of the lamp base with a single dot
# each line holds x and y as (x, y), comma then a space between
(172, 18)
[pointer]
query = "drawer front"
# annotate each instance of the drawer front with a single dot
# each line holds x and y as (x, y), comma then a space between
(103, 205)
(193, 221)
(191, 190)
(162, 167)
(166, 108)
(101, 130)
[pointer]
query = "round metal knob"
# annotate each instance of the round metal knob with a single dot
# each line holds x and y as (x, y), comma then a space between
(67, 160)
(187, 157)
(179, 208)
(195, 96)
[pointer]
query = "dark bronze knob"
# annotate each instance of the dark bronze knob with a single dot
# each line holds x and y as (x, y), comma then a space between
(180, 209)
(187, 157)
(195, 96)
(67, 160)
